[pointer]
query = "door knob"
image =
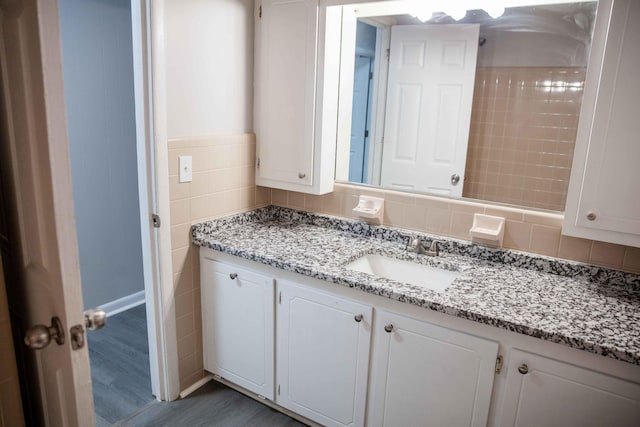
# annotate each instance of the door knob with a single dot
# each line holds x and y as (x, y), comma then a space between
(523, 369)
(39, 336)
(455, 179)
(358, 318)
(95, 319)
(301, 175)
(388, 328)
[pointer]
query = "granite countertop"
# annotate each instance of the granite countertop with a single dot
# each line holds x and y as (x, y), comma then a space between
(586, 307)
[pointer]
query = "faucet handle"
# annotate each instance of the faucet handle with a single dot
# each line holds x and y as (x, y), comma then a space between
(407, 238)
(434, 247)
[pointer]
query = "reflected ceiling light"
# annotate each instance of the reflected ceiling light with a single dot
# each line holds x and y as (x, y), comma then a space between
(422, 11)
(456, 12)
(456, 9)
(494, 9)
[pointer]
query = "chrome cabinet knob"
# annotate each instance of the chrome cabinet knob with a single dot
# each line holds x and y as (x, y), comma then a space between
(388, 328)
(523, 369)
(358, 318)
(301, 175)
(39, 336)
(232, 276)
(455, 179)
(591, 216)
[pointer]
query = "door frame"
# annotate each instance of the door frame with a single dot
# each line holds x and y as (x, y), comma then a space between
(153, 185)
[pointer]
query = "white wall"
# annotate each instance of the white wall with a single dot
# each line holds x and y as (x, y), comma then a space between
(209, 57)
(98, 74)
(531, 49)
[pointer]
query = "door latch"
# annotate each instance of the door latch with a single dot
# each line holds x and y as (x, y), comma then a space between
(77, 337)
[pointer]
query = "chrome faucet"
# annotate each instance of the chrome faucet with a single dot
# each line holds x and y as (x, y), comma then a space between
(418, 247)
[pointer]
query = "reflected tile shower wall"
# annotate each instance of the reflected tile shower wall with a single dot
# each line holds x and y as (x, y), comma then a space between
(523, 132)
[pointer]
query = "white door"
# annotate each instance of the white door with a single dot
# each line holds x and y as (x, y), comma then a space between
(545, 392)
(429, 96)
(46, 253)
(323, 355)
(238, 325)
(426, 375)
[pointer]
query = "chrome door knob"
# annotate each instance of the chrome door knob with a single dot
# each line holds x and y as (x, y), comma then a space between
(523, 369)
(301, 175)
(455, 179)
(39, 336)
(95, 319)
(233, 276)
(388, 328)
(358, 318)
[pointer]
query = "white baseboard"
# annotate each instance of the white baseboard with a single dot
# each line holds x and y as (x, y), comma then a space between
(122, 304)
(193, 387)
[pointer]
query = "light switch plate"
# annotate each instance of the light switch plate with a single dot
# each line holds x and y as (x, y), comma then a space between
(186, 168)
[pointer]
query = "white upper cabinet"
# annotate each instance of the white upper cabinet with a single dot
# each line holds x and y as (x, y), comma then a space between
(293, 151)
(603, 202)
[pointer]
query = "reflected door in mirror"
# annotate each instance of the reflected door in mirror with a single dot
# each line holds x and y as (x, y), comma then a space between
(429, 98)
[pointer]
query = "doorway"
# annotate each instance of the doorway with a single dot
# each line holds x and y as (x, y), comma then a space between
(100, 97)
(359, 151)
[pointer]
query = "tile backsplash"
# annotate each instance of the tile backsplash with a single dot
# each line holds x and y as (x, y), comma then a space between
(223, 184)
(522, 136)
(526, 230)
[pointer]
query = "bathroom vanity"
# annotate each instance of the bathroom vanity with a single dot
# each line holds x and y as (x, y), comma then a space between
(514, 338)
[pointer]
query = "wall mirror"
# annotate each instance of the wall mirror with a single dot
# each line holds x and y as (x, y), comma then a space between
(481, 104)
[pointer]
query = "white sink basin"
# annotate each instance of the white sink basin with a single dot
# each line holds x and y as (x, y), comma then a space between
(424, 276)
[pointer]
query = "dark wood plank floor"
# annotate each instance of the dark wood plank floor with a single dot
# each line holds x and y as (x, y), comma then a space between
(212, 405)
(119, 355)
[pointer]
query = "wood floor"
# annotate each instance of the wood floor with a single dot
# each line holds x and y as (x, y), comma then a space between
(212, 405)
(119, 355)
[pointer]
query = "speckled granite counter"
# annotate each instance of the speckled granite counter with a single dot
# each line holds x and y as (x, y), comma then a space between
(590, 308)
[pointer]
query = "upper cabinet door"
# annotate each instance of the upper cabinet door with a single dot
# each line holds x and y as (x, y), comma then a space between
(603, 202)
(295, 133)
(287, 32)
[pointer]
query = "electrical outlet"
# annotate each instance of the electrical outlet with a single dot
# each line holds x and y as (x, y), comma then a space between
(186, 168)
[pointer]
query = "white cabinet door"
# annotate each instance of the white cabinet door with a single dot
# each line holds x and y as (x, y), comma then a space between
(296, 90)
(603, 202)
(238, 326)
(427, 375)
(287, 93)
(323, 355)
(545, 392)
